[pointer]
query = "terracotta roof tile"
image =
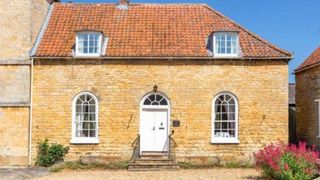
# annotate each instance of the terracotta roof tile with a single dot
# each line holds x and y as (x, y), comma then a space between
(313, 59)
(147, 30)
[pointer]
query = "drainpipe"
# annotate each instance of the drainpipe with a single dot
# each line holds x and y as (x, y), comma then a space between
(30, 115)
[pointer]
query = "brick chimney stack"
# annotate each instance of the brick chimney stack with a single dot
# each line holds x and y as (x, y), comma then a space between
(123, 4)
(52, 1)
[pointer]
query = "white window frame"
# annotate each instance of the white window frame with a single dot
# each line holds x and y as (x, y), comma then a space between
(215, 52)
(77, 53)
(84, 140)
(317, 101)
(222, 140)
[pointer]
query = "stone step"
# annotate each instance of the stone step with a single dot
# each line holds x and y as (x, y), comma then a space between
(153, 154)
(139, 163)
(150, 167)
(153, 160)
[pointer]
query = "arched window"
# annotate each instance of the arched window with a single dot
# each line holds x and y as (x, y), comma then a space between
(85, 119)
(225, 119)
(155, 99)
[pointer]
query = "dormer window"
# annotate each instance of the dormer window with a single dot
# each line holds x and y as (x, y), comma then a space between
(88, 44)
(226, 44)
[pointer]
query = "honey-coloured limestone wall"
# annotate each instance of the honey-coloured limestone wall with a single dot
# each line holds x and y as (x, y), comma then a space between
(307, 91)
(261, 88)
(14, 136)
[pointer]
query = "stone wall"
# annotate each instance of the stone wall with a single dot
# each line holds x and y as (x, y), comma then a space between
(260, 86)
(307, 91)
(14, 135)
(15, 84)
(20, 21)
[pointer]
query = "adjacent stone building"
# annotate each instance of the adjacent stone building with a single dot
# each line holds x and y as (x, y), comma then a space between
(308, 99)
(19, 26)
(115, 80)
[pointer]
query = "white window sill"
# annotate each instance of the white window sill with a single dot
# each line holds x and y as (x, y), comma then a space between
(87, 55)
(226, 55)
(84, 141)
(225, 141)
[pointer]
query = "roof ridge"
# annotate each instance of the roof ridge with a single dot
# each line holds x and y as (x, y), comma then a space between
(86, 3)
(302, 67)
(251, 33)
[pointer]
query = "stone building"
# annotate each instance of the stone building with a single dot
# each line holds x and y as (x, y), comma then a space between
(308, 99)
(115, 81)
(19, 25)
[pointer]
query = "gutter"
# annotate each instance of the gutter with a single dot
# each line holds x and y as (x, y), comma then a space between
(32, 53)
(305, 68)
(166, 58)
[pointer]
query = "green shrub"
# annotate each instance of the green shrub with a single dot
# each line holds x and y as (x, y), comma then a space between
(288, 162)
(50, 154)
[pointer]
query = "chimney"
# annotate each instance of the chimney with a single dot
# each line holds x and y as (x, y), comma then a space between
(123, 4)
(52, 1)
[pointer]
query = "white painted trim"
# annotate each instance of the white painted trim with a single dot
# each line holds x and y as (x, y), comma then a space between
(104, 46)
(42, 31)
(215, 54)
(84, 140)
(168, 107)
(219, 140)
(98, 54)
(30, 115)
(224, 141)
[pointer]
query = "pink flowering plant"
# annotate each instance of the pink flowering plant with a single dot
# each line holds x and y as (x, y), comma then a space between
(288, 161)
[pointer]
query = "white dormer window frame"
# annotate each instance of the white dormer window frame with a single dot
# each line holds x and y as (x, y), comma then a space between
(226, 44)
(94, 44)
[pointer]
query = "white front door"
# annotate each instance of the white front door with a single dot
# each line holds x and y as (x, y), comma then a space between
(154, 130)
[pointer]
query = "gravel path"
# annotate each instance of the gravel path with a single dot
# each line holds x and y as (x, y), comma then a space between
(22, 173)
(192, 174)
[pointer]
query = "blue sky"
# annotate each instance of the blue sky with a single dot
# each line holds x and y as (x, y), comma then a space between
(293, 25)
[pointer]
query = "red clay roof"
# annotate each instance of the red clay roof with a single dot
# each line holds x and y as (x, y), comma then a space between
(313, 59)
(147, 30)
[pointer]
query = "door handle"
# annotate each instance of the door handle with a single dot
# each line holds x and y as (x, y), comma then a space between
(161, 128)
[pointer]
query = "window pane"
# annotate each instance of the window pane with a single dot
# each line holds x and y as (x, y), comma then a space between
(147, 102)
(152, 97)
(224, 107)
(217, 133)
(231, 133)
(232, 108)
(231, 125)
(231, 116)
(85, 125)
(218, 116)
(224, 116)
(92, 117)
(163, 102)
(224, 125)
(217, 125)
(217, 108)
(158, 97)
(155, 103)
(92, 133)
